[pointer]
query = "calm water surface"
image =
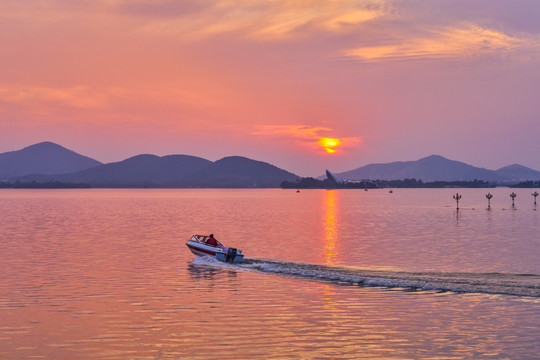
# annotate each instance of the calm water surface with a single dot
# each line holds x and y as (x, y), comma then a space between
(341, 274)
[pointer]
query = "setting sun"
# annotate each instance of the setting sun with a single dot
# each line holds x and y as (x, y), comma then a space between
(329, 144)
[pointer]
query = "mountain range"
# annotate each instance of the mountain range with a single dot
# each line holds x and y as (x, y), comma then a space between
(139, 171)
(48, 162)
(438, 168)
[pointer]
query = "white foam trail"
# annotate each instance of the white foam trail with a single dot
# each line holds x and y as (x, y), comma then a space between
(211, 261)
(492, 283)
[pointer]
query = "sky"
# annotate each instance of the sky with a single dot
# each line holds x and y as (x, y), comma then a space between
(305, 85)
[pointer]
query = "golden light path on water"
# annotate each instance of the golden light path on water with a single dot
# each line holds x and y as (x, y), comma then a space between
(330, 227)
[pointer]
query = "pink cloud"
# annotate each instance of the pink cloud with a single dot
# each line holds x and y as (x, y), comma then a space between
(460, 42)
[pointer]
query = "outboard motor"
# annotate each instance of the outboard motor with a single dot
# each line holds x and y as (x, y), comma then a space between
(231, 254)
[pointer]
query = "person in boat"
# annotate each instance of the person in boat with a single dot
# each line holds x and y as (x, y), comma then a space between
(211, 240)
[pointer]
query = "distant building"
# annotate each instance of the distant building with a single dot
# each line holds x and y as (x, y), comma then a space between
(333, 178)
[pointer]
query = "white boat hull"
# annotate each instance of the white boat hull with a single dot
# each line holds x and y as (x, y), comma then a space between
(220, 252)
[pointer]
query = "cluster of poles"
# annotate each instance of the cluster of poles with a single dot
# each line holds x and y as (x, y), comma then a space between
(513, 195)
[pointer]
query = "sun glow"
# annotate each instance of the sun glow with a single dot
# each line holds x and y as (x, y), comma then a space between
(329, 144)
(310, 138)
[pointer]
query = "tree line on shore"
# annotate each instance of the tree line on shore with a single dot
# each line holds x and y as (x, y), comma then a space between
(527, 184)
(43, 185)
(312, 183)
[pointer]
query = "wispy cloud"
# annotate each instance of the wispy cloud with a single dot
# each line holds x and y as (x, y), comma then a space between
(296, 131)
(75, 96)
(261, 20)
(88, 97)
(454, 42)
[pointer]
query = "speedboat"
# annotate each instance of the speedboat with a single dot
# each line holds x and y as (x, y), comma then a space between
(199, 246)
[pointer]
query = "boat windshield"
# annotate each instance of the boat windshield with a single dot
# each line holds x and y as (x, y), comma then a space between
(202, 239)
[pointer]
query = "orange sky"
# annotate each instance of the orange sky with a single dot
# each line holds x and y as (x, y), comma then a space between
(389, 80)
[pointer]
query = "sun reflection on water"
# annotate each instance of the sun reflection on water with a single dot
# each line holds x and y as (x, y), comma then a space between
(330, 227)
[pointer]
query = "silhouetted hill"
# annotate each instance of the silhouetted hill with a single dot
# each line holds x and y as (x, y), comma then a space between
(436, 168)
(175, 171)
(140, 170)
(237, 171)
(42, 158)
(518, 173)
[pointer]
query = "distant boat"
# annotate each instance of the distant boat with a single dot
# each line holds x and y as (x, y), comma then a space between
(391, 191)
(297, 190)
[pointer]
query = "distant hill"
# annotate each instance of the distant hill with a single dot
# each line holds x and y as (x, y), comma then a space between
(518, 173)
(438, 168)
(175, 171)
(139, 170)
(237, 171)
(43, 158)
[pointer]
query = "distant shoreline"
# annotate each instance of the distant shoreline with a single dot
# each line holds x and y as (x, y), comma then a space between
(311, 183)
(44, 185)
(304, 183)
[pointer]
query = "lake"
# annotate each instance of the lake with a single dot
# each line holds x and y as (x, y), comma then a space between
(329, 274)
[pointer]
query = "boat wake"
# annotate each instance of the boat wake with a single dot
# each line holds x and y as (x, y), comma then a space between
(487, 283)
